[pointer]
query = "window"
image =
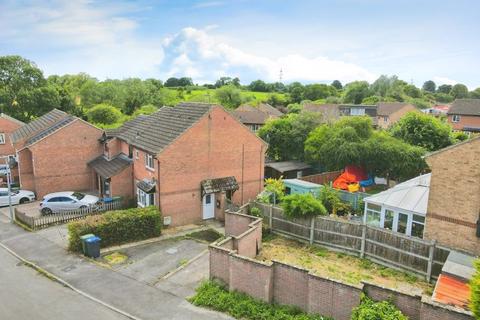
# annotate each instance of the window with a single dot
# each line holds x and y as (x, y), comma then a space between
(418, 224)
(373, 214)
(456, 118)
(145, 199)
(149, 161)
(357, 111)
(402, 223)
(208, 199)
(2, 138)
(136, 154)
(385, 119)
(388, 222)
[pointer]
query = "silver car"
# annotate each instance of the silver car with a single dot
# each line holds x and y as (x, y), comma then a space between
(65, 201)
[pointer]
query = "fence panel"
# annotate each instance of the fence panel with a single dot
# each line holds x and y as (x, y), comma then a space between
(383, 246)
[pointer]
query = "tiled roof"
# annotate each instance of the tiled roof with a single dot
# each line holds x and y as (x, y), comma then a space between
(265, 107)
(219, 184)
(12, 119)
(146, 185)
(109, 168)
(329, 111)
(125, 126)
(248, 114)
(49, 130)
(154, 132)
(37, 125)
(467, 107)
(387, 108)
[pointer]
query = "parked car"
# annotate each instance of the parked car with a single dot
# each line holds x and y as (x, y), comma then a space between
(3, 170)
(18, 196)
(64, 201)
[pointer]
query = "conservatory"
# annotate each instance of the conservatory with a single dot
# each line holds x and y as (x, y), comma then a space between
(402, 208)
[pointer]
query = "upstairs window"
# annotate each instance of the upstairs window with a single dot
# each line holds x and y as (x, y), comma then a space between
(357, 111)
(456, 118)
(2, 138)
(149, 161)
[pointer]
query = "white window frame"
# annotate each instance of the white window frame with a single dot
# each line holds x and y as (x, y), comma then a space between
(136, 154)
(2, 138)
(149, 162)
(456, 118)
(143, 198)
(357, 111)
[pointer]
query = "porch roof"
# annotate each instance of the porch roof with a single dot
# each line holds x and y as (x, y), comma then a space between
(219, 185)
(146, 186)
(109, 168)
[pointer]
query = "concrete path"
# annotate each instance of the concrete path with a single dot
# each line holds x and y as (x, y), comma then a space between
(116, 289)
(27, 295)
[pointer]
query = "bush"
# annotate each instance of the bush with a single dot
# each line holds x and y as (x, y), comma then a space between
(330, 199)
(274, 191)
(116, 227)
(475, 291)
(302, 206)
(254, 211)
(104, 114)
(240, 306)
(371, 310)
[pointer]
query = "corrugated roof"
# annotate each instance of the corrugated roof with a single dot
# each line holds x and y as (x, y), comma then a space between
(284, 166)
(303, 183)
(12, 119)
(109, 168)
(37, 125)
(411, 195)
(154, 132)
(452, 291)
(467, 107)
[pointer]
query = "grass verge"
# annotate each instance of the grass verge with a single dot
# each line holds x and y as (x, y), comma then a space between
(240, 306)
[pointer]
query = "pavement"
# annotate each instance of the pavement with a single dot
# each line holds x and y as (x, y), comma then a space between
(27, 294)
(128, 290)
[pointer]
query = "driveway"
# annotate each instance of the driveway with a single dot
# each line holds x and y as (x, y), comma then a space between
(31, 209)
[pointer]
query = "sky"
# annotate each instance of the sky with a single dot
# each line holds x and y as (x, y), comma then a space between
(307, 41)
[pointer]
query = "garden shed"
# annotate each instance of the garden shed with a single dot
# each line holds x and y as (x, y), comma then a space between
(402, 208)
(293, 186)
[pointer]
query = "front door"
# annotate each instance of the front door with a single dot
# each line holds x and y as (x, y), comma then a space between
(208, 206)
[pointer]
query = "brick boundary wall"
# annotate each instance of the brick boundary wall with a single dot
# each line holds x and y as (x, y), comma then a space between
(231, 262)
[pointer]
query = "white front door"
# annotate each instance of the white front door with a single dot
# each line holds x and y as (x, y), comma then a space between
(208, 206)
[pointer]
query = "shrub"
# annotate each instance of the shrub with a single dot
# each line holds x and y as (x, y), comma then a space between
(256, 212)
(302, 206)
(273, 187)
(240, 306)
(475, 291)
(116, 227)
(371, 310)
(104, 114)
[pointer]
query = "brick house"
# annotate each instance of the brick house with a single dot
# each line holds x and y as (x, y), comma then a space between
(464, 115)
(454, 201)
(383, 114)
(256, 117)
(53, 151)
(7, 126)
(186, 160)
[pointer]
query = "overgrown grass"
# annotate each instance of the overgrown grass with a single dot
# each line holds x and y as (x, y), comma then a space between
(240, 306)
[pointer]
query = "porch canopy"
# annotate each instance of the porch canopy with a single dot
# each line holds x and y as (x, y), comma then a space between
(108, 168)
(219, 185)
(146, 186)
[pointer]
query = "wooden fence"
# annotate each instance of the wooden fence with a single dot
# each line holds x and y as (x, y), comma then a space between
(43, 221)
(385, 247)
(322, 178)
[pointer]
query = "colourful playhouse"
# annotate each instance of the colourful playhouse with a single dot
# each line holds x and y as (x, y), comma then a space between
(352, 179)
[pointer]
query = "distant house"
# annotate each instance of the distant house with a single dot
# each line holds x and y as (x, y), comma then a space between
(402, 208)
(383, 114)
(454, 201)
(287, 169)
(53, 151)
(7, 126)
(437, 110)
(464, 115)
(255, 117)
(187, 160)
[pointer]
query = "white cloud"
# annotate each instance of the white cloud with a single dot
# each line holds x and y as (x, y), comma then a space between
(205, 53)
(208, 4)
(444, 80)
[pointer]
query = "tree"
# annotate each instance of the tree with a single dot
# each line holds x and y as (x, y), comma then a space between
(104, 114)
(475, 94)
(185, 81)
(356, 91)
(429, 86)
(259, 86)
(443, 97)
(302, 206)
(318, 91)
(381, 86)
(422, 130)
(459, 91)
(412, 91)
(172, 82)
(223, 81)
(475, 291)
(296, 90)
(294, 108)
(444, 88)
(372, 100)
(286, 136)
(337, 85)
(229, 96)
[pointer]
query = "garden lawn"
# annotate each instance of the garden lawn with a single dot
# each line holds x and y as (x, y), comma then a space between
(339, 266)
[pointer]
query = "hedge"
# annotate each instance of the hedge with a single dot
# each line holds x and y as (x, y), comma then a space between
(117, 227)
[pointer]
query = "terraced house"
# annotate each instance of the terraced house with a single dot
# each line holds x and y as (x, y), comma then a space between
(187, 160)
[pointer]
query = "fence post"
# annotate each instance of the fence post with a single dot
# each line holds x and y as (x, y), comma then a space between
(364, 239)
(270, 217)
(312, 230)
(431, 251)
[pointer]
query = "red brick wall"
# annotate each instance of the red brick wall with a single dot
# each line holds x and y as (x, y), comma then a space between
(434, 311)
(122, 184)
(60, 160)
(236, 224)
(291, 285)
(220, 261)
(7, 127)
(217, 146)
(251, 277)
(465, 121)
